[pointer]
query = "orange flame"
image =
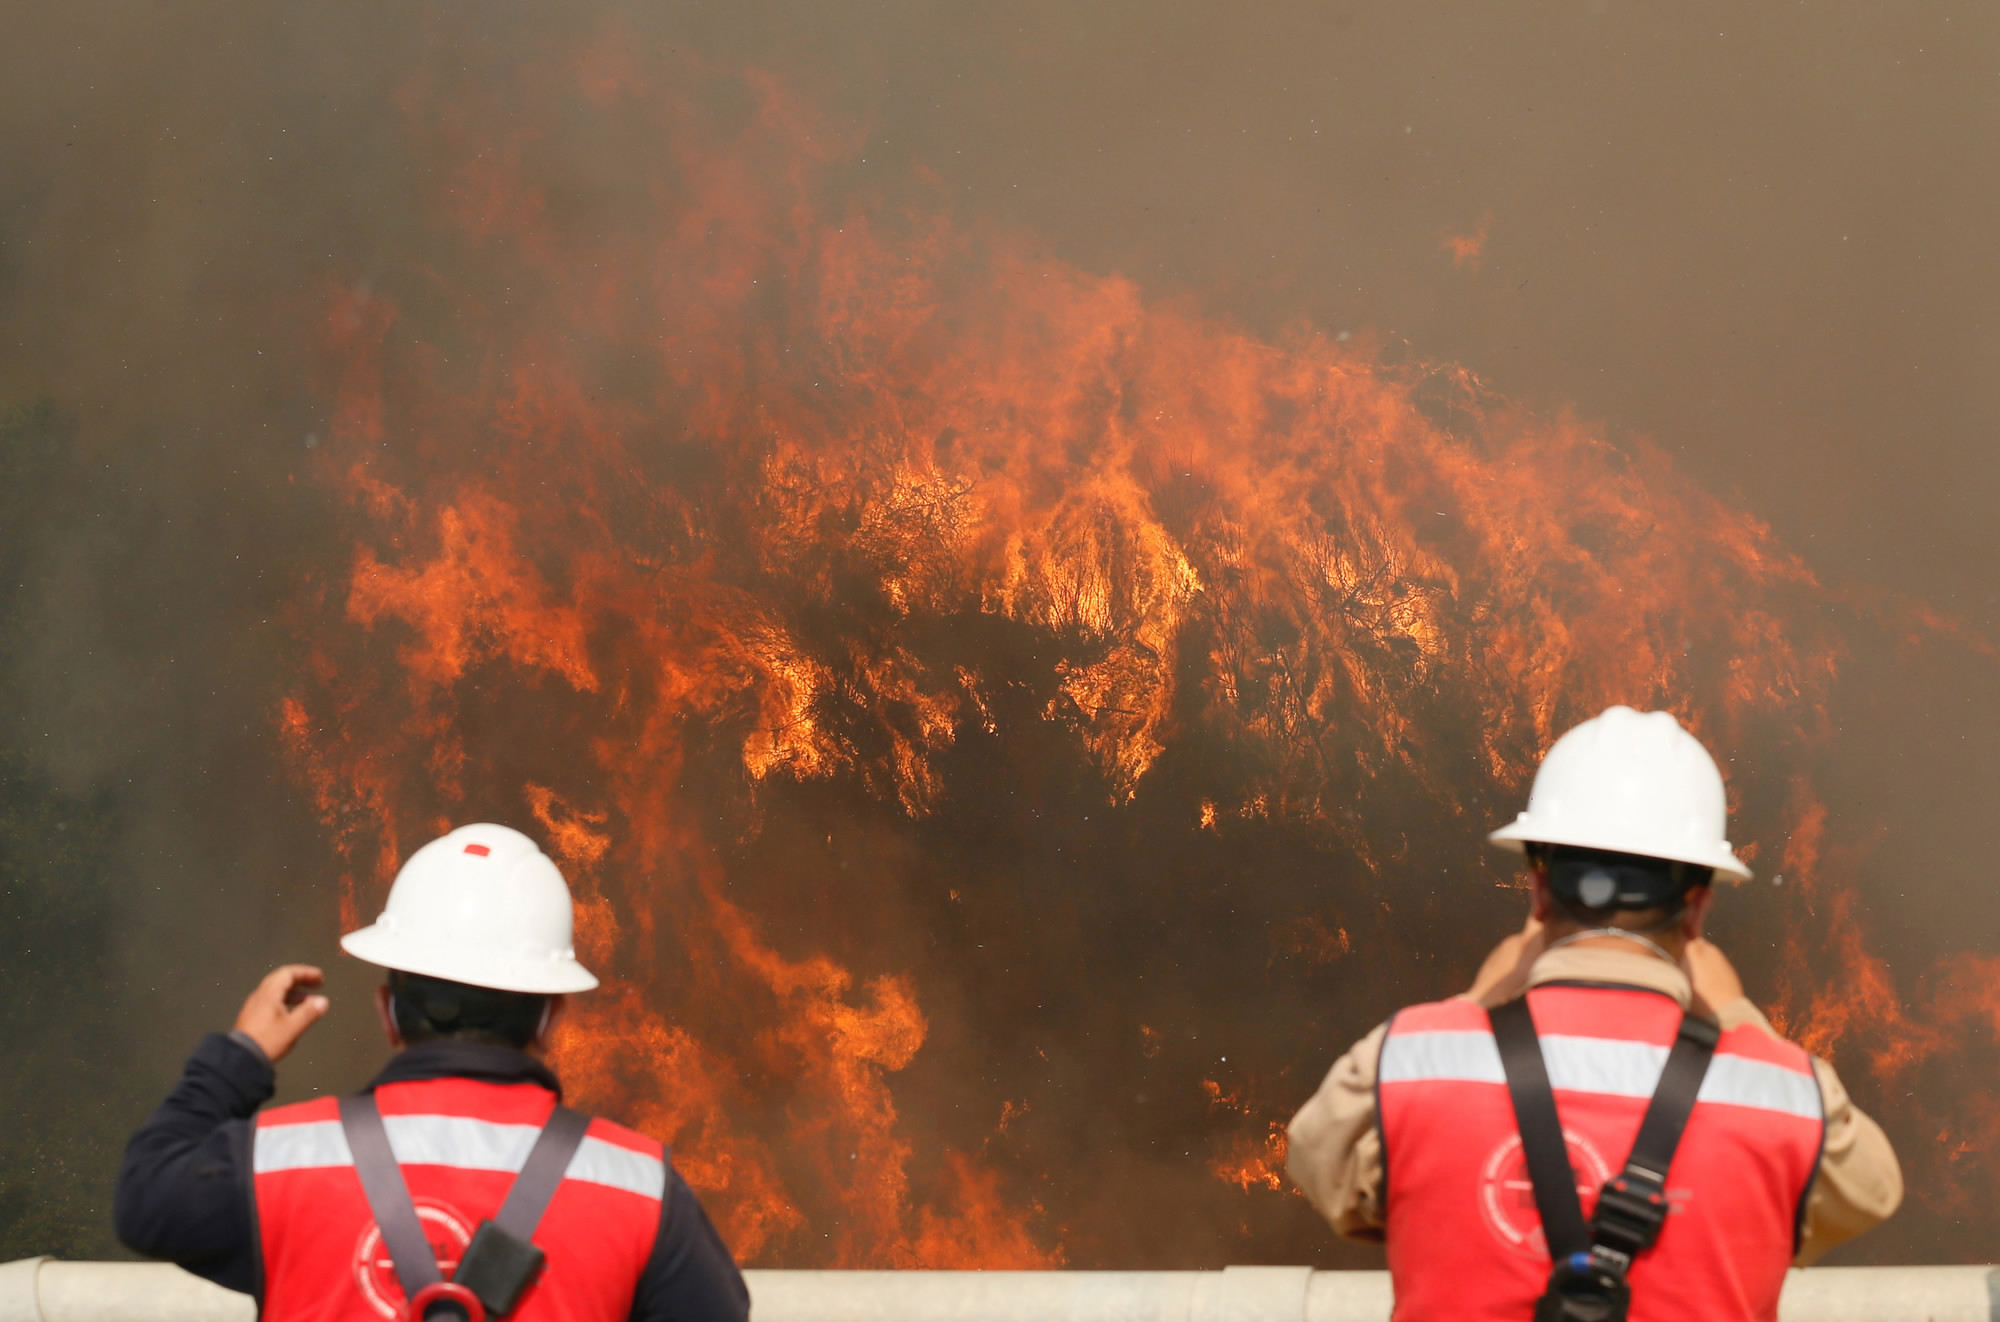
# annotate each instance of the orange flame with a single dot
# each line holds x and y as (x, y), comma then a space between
(745, 491)
(1254, 1165)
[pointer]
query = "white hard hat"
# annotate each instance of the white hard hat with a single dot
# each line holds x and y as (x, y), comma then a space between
(481, 906)
(1632, 783)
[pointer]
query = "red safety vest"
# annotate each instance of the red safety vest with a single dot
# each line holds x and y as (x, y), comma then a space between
(460, 1143)
(1464, 1239)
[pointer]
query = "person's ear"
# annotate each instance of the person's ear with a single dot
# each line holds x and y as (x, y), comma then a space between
(1543, 904)
(552, 1014)
(386, 1012)
(1696, 912)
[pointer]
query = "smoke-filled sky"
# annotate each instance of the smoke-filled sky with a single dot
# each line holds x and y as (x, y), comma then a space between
(1758, 241)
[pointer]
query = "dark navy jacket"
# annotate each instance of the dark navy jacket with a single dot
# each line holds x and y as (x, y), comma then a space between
(185, 1192)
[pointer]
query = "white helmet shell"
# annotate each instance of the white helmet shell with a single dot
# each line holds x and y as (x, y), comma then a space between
(482, 906)
(1633, 783)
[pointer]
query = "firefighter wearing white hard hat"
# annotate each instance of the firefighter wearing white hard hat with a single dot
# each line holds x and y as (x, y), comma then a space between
(456, 1186)
(1603, 1126)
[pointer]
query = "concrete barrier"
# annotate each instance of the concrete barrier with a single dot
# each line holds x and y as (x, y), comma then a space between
(44, 1290)
(1288, 1294)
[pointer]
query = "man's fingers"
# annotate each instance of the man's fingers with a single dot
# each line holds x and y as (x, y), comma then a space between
(286, 985)
(288, 1023)
(299, 1004)
(289, 976)
(300, 1017)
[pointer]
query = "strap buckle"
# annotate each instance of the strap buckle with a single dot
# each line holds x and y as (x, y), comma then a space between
(1581, 1290)
(1631, 1209)
(446, 1301)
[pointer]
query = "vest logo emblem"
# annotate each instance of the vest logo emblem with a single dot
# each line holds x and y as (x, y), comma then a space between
(446, 1229)
(1507, 1195)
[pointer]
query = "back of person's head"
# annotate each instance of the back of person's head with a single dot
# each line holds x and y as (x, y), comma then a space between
(1627, 822)
(1598, 888)
(476, 935)
(427, 1009)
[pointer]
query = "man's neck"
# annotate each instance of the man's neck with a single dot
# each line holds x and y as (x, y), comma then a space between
(1670, 944)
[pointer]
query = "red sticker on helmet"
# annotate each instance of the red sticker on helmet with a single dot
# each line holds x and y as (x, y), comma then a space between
(480, 850)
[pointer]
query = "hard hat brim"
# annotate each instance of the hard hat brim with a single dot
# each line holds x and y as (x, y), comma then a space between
(1520, 833)
(553, 976)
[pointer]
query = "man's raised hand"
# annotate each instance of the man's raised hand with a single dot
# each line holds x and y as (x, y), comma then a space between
(1504, 975)
(1714, 977)
(282, 1008)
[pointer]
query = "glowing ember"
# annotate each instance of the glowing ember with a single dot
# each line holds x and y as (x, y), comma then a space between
(1253, 1166)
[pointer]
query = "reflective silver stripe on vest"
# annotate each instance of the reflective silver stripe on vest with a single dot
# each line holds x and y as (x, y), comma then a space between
(1599, 1065)
(297, 1147)
(460, 1142)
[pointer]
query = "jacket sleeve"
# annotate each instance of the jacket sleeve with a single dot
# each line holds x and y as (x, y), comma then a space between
(184, 1187)
(691, 1276)
(1333, 1150)
(1859, 1183)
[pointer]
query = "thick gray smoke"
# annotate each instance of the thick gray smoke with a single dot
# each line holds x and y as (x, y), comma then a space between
(1761, 239)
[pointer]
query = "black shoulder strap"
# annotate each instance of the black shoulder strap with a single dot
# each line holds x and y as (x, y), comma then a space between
(1542, 1142)
(388, 1196)
(1673, 1099)
(396, 1214)
(548, 1161)
(1631, 1208)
